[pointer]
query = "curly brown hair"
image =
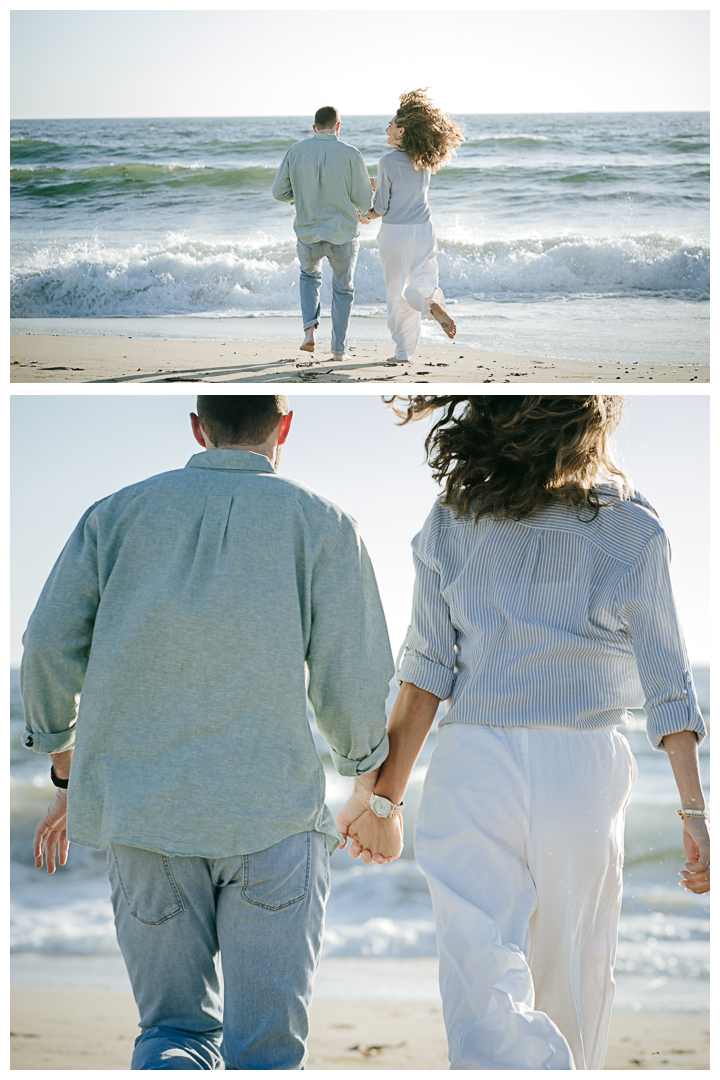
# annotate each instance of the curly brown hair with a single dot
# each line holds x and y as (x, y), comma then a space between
(430, 136)
(508, 456)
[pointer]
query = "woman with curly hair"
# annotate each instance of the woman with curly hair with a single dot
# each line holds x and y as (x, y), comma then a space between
(423, 140)
(542, 612)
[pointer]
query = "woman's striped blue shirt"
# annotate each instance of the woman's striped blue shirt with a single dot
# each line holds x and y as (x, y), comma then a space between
(550, 620)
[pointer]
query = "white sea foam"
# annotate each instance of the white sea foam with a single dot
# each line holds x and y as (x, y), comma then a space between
(185, 275)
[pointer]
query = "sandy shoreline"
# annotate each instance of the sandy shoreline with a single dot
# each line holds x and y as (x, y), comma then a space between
(36, 358)
(82, 1029)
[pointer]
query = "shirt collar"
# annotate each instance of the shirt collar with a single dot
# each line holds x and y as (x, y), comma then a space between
(325, 135)
(235, 460)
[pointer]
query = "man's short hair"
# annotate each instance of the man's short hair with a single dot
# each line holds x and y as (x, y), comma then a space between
(242, 418)
(327, 117)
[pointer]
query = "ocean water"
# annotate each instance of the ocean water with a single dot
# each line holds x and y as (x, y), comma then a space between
(578, 235)
(375, 912)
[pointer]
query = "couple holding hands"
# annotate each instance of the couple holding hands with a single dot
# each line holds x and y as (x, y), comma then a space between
(187, 610)
(328, 182)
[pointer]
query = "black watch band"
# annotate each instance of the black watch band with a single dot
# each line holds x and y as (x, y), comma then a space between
(56, 779)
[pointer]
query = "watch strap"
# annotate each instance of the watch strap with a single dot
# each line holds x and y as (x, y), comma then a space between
(57, 781)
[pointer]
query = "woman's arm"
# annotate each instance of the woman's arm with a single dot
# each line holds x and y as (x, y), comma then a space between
(682, 750)
(410, 721)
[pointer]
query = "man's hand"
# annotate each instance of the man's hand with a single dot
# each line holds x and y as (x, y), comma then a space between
(357, 804)
(363, 220)
(376, 839)
(50, 835)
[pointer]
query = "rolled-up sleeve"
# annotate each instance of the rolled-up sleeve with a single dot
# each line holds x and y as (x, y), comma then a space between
(57, 643)
(349, 658)
(282, 187)
(427, 657)
(383, 187)
(647, 608)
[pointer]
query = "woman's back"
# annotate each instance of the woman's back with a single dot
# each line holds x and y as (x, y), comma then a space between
(401, 190)
(549, 620)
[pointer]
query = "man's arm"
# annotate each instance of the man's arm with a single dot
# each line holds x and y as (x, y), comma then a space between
(360, 188)
(57, 646)
(282, 188)
(350, 664)
(57, 643)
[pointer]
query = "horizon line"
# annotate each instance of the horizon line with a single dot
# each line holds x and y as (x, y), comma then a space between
(289, 116)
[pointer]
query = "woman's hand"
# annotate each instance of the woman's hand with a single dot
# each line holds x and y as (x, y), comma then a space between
(376, 839)
(50, 835)
(695, 877)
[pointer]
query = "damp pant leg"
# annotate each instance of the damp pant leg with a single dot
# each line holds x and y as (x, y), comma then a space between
(409, 260)
(520, 833)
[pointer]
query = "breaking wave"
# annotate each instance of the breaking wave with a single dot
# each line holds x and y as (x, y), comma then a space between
(186, 276)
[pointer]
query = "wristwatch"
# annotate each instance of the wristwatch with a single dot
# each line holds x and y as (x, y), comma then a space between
(382, 807)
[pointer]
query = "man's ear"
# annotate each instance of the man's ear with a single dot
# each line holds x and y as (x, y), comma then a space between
(197, 430)
(284, 428)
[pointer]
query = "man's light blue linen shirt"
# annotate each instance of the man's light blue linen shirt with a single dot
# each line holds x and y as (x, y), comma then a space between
(185, 608)
(550, 620)
(328, 181)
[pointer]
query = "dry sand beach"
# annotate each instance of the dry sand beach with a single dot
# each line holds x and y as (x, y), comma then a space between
(50, 1030)
(41, 358)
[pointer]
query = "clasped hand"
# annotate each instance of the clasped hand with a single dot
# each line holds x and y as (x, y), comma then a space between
(374, 839)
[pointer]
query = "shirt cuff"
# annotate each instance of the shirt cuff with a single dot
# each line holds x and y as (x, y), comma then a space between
(53, 743)
(348, 767)
(426, 674)
(670, 718)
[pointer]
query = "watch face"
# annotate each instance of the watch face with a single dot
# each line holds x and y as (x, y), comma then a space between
(381, 807)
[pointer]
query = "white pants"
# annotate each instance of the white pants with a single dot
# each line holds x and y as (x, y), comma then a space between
(520, 833)
(408, 254)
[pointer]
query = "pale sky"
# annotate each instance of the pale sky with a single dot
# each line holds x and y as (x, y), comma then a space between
(90, 63)
(70, 450)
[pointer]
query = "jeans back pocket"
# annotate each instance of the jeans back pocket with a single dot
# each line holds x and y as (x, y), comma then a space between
(147, 883)
(278, 876)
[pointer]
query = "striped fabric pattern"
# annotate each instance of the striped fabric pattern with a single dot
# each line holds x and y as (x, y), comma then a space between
(550, 620)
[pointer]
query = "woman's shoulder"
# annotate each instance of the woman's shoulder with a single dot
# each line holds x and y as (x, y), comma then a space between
(632, 504)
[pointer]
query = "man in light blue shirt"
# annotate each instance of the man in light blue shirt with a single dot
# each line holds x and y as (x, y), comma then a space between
(187, 609)
(328, 182)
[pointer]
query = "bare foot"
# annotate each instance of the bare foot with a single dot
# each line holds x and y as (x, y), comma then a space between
(308, 344)
(444, 319)
(337, 357)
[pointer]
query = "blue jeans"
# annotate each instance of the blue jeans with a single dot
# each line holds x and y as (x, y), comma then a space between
(188, 925)
(342, 259)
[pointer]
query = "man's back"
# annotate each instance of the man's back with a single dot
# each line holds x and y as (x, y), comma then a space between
(328, 182)
(199, 595)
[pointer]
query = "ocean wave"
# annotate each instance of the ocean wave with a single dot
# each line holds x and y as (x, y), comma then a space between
(173, 174)
(512, 138)
(185, 276)
(26, 149)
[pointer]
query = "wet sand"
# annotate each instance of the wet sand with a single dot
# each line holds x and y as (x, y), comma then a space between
(80, 1029)
(46, 358)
